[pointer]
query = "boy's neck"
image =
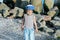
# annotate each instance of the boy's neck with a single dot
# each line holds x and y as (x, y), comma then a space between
(29, 14)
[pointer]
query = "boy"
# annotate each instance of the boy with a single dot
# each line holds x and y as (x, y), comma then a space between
(28, 21)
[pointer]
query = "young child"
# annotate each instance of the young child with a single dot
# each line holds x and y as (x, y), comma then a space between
(29, 21)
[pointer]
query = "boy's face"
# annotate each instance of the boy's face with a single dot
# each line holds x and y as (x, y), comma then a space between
(29, 12)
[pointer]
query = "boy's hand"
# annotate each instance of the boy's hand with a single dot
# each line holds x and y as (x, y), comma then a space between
(35, 24)
(36, 30)
(22, 28)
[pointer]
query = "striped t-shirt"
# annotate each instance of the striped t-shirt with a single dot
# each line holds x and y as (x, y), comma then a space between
(28, 23)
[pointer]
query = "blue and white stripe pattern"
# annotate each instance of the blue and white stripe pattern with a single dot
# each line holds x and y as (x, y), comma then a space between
(29, 7)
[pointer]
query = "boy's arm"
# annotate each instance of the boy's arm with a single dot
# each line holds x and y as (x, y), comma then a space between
(22, 26)
(35, 24)
(22, 23)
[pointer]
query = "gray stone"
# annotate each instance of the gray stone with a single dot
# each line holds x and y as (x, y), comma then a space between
(49, 30)
(10, 29)
(0, 15)
(56, 21)
(38, 19)
(57, 34)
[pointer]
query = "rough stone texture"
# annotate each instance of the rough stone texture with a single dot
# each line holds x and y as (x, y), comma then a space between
(5, 8)
(56, 21)
(14, 1)
(10, 30)
(57, 34)
(49, 30)
(38, 5)
(0, 15)
(51, 13)
(6, 13)
(26, 0)
(18, 12)
(49, 3)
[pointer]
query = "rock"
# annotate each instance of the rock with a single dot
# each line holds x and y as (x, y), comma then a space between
(0, 15)
(9, 22)
(49, 3)
(13, 12)
(54, 10)
(26, 0)
(10, 29)
(14, 1)
(49, 30)
(56, 21)
(50, 13)
(20, 12)
(43, 24)
(57, 34)
(17, 12)
(6, 13)
(38, 5)
(5, 8)
(57, 18)
(38, 19)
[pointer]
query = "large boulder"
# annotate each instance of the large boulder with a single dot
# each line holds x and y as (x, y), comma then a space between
(39, 18)
(49, 3)
(56, 21)
(38, 5)
(49, 30)
(57, 34)
(17, 12)
(14, 1)
(6, 13)
(5, 8)
(53, 12)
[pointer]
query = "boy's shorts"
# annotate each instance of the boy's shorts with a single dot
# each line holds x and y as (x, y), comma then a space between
(29, 34)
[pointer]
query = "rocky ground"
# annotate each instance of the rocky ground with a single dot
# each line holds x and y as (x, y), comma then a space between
(10, 29)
